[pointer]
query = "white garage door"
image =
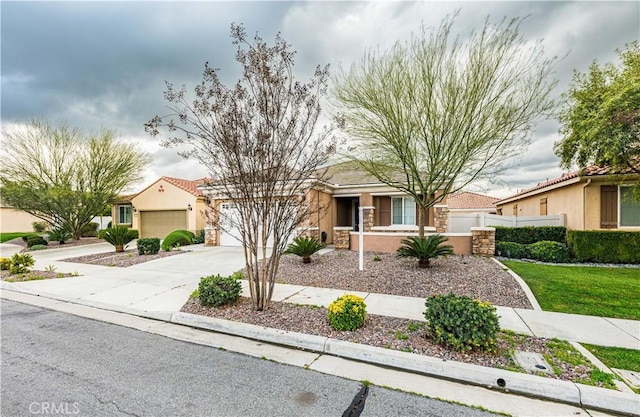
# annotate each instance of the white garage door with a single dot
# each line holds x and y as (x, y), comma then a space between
(160, 223)
(230, 231)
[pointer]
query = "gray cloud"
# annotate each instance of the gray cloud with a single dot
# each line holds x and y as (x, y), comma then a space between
(104, 63)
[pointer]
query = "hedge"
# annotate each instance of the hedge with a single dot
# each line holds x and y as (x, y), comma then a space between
(529, 234)
(607, 246)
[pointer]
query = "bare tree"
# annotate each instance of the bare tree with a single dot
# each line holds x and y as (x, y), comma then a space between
(64, 177)
(435, 114)
(258, 140)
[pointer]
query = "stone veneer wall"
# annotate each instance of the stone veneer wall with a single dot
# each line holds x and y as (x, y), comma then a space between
(441, 220)
(483, 241)
(313, 232)
(368, 218)
(341, 237)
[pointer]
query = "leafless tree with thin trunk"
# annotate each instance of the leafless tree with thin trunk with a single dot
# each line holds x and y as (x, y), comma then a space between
(437, 113)
(258, 138)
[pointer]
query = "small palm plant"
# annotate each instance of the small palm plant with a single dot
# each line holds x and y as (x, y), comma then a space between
(305, 247)
(119, 236)
(60, 235)
(425, 248)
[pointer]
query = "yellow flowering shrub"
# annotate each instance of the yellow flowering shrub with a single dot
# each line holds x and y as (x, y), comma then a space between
(5, 263)
(347, 312)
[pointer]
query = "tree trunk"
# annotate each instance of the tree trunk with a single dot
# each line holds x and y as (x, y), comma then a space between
(119, 248)
(423, 262)
(420, 222)
(306, 259)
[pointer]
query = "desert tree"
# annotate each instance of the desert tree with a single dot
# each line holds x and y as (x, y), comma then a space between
(258, 139)
(434, 114)
(600, 116)
(64, 176)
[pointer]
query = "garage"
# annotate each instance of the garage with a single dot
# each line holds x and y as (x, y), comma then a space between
(230, 231)
(162, 222)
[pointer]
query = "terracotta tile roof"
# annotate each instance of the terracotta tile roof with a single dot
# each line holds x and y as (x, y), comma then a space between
(589, 171)
(190, 186)
(125, 198)
(469, 200)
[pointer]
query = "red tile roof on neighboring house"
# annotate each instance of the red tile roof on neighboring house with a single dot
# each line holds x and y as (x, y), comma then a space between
(125, 198)
(190, 186)
(589, 171)
(469, 200)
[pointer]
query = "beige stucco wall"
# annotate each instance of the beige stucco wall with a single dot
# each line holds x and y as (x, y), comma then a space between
(561, 200)
(390, 242)
(12, 220)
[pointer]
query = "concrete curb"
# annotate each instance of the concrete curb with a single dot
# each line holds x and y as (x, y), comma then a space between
(492, 378)
(523, 285)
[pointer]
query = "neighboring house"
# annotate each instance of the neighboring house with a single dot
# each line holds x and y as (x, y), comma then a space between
(166, 205)
(592, 199)
(14, 220)
(466, 201)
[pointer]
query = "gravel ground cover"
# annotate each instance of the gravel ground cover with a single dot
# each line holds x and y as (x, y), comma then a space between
(473, 276)
(122, 259)
(385, 273)
(398, 334)
(54, 245)
(34, 275)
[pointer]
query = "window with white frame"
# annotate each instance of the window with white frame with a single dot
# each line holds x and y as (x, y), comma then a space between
(629, 208)
(403, 210)
(124, 215)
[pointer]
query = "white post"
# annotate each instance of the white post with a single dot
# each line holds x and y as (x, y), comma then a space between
(360, 238)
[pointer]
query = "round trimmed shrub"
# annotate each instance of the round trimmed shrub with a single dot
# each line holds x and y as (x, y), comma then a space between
(176, 238)
(148, 246)
(216, 290)
(89, 230)
(36, 240)
(347, 313)
(38, 247)
(462, 323)
(25, 238)
(512, 250)
(549, 251)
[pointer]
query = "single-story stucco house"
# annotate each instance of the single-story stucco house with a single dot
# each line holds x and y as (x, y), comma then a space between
(166, 205)
(466, 201)
(592, 199)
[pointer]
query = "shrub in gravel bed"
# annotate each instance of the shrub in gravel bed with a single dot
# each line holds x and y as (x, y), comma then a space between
(148, 246)
(119, 236)
(424, 249)
(36, 240)
(347, 312)
(304, 247)
(177, 238)
(38, 247)
(462, 323)
(20, 263)
(216, 290)
(5, 264)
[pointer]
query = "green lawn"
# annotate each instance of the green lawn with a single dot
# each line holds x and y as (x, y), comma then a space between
(595, 291)
(8, 236)
(613, 357)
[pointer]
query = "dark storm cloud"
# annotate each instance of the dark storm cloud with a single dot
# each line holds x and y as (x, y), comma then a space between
(104, 63)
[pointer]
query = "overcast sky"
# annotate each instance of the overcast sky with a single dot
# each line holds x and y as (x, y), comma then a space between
(103, 64)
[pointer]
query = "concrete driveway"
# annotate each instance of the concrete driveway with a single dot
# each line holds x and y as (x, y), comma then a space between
(156, 287)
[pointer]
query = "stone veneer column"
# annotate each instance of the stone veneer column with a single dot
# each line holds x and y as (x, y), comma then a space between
(368, 220)
(342, 237)
(483, 241)
(441, 218)
(210, 236)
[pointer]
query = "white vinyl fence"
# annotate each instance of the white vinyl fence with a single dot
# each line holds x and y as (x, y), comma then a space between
(102, 221)
(462, 222)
